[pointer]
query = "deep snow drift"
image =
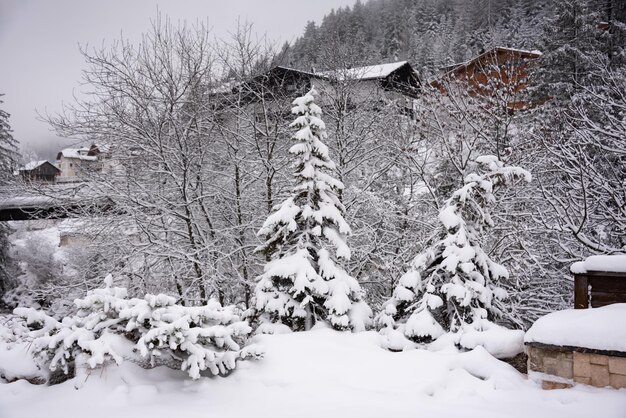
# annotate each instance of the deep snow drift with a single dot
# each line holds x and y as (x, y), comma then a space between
(321, 373)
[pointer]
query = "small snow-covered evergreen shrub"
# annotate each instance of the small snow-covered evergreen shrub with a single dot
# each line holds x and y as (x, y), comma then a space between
(110, 326)
(452, 286)
(304, 281)
(205, 337)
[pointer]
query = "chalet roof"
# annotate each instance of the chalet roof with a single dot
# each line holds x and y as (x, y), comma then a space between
(522, 53)
(276, 76)
(32, 165)
(76, 153)
(96, 149)
(370, 72)
(225, 87)
(279, 72)
(289, 69)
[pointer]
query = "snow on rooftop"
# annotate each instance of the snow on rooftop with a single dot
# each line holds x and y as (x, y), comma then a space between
(225, 87)
(599, 328)
(32, 165)
(364, 73)
(103, 147)
(79, 153)
(520, 51)
(607, 263)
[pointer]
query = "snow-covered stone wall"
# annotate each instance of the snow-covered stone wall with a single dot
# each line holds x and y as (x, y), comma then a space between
(585, 346)
(559, 368)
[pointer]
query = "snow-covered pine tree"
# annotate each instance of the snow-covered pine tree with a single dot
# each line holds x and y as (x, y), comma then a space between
(572, 46)
(452, 284)
(304, 281)
(8, 149)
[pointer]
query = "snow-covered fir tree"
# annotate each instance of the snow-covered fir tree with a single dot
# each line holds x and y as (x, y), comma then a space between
(304, 281)
(452, 285)
(8, 149)
(572, 46)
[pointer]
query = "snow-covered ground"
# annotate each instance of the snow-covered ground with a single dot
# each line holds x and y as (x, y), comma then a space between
(321, 373)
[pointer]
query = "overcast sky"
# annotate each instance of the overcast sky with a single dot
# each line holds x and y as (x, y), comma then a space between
(40, 64)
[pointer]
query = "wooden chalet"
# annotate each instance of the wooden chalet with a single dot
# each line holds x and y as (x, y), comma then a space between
(396, 78)
(280, 82)
(39, 171)
(499, 72)
(392, 79)
(273, 85)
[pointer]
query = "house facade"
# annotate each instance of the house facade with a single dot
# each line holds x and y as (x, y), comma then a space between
(77, 163)
(39, 171)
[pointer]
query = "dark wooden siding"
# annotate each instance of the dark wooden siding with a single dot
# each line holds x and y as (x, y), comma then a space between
(44, 172)
(404, 81)
(596, 288)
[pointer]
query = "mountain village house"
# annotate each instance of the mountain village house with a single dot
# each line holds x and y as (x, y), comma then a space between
(39, 171)
(392, 81)
(500, 73)
(76, 163)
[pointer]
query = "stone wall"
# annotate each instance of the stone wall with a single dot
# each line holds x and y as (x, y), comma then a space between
(561, 367)
(600, 370)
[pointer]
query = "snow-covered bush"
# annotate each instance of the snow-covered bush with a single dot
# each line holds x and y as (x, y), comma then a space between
(452, 286)
(110, 326)
(306, 241)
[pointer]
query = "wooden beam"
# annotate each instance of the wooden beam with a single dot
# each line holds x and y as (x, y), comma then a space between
(61, 211)
(581, 291)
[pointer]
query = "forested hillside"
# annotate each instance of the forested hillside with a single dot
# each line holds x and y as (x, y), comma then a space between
(434, 33)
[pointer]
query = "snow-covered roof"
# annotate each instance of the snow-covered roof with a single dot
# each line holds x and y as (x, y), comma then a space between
(597, 329)
(364, 73)
(78, 153)
(607, 263)
(225, 87)
(534, 52)
(32, 165)
(228, 86)
(282, 67)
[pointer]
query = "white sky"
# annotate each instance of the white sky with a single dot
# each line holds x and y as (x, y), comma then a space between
(40, 64)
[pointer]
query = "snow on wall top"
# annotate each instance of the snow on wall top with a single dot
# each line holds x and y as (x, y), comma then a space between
(364, 73)
(32, 165)
(607, 263)
(598, 328)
